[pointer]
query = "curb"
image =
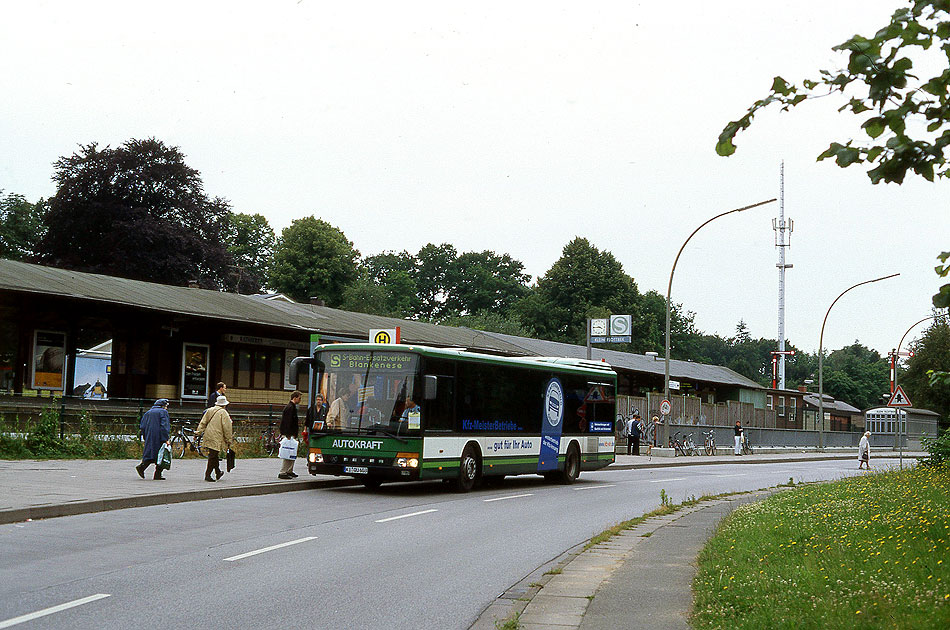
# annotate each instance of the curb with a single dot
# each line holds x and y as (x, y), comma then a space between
(690, 461)
(103, 505)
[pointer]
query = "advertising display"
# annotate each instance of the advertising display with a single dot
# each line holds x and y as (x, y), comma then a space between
(49, 360)
(194, 370)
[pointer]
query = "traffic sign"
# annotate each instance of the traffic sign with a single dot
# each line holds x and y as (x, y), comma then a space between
(384, 335)
(899, 399)
(666, 407)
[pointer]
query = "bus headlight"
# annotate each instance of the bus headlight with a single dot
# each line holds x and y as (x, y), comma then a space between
(316, 457)
(407, 460)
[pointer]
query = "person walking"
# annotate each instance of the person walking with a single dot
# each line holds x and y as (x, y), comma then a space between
(864, 451)
(156, 429)
(218, 434)
(219, 390)
(738, 431)
(289, 428)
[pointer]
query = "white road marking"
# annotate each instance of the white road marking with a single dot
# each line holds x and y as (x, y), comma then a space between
(606, 485)
(665, 480)
(732, 475)
(271, 548)
(512, 496)
(396, 518)
(51, 610)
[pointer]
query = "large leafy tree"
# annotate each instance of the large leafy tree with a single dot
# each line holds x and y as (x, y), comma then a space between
(135, 211)
(314, 259)
(484, 281)
(434, 263)
(856, 375)
(897, 83)
(386, 286)
(584, 282)
(931, 353)
(250, 240)
(21, 226)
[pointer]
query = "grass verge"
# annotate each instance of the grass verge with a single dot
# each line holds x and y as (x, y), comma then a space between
(863, 552)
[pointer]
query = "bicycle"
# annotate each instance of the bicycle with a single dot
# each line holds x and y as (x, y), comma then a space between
(270, 442)
(184, 440)
(689, 447)
(746, 444)
(676, 445)
(709, 443)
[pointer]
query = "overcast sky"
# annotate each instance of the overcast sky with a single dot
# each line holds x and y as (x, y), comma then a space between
(509, 126)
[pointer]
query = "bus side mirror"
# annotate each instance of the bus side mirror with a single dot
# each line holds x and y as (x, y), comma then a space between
(431, 387)
(295, 367)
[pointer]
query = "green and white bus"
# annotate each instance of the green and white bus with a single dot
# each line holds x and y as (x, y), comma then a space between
(406, 413)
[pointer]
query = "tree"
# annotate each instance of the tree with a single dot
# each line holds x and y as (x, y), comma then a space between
(136, 211)
(313, 259)
(489, 321)
(484, 281)
(931, 354)
(385, 286)
(433, 263)
(21, 226)
(584, 281)
(856, 375)
(906, 116)
(250, 240)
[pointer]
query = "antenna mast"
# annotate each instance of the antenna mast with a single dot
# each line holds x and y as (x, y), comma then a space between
(779, 226)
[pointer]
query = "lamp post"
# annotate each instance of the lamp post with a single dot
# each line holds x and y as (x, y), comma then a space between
(821, 359)
(669, 290)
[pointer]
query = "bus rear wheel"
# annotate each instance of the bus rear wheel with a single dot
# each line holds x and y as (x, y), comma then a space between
(572, 466)
(468, 470)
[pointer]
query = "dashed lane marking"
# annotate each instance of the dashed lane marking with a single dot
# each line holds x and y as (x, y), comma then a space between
(271, 548)
(52, 609)
(396, 518)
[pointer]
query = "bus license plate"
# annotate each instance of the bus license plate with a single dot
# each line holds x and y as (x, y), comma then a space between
(356, 470)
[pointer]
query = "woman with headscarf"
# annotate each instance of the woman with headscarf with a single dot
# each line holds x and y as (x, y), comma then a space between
(218, 434)
(156, 429)
(864, 450)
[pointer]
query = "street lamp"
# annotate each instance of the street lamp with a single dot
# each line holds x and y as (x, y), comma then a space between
(821, 359)
(669, 290)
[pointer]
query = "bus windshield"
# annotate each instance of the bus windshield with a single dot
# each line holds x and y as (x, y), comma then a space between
(370, 391)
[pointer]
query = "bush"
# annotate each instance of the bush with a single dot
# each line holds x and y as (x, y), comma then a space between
(938, 448)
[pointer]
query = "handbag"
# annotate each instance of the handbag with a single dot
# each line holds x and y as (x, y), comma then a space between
(164, 459)
(230, 459)
(288, 448)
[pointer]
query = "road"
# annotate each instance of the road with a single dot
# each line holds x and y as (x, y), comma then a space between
(405, 556)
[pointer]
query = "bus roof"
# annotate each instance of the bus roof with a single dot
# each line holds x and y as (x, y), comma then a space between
(600, 368)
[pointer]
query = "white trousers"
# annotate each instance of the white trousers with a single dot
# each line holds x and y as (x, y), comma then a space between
(738, 444)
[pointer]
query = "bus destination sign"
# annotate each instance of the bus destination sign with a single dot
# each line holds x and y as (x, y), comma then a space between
(377, 361)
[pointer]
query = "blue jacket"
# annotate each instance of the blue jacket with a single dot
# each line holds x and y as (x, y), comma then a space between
(156, 427)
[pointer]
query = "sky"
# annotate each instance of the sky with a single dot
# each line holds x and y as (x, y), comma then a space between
(503, 126)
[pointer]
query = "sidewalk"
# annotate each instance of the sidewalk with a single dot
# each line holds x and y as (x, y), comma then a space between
(32, 489)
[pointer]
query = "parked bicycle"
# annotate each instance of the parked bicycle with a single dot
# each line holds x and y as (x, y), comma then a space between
(184, 440)
(709, 442)
(677, 445)
(270, 440)
(746, 444)
(689, 447)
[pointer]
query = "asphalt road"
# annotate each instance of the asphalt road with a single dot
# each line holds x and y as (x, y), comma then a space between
(404, 556)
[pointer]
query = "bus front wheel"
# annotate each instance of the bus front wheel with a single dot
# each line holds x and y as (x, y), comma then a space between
(468, 470)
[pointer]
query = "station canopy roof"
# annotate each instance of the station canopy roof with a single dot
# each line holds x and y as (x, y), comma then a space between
(232, 307)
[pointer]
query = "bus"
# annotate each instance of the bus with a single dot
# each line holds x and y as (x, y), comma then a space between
(408, 413)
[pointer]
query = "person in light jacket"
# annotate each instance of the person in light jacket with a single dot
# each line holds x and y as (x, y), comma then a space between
(156, 429)
(864, 450)
(738, 431)
(289, 428)
(218, 436)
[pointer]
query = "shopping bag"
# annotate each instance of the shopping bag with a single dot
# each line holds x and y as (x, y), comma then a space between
(288, 448)
(230, 460)
(164, 460)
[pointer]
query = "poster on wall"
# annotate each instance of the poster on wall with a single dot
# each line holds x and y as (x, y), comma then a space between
(49, 360)
(289, 355)
(194, 370)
